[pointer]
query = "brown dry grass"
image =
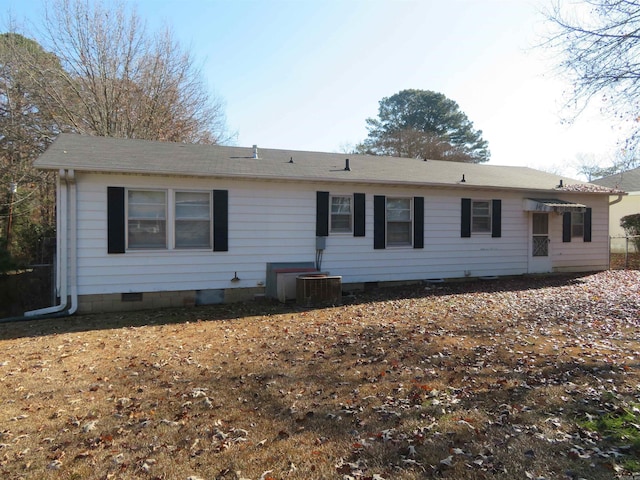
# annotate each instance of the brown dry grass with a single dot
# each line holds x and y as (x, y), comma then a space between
(622, 261)
(469, 381)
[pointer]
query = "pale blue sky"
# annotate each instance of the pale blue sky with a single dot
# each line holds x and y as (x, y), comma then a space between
(305, 74)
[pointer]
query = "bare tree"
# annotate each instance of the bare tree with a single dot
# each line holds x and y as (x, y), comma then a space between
(26, 128)
(96, 70)
(599, 45)
(592, 167)
(119, 81)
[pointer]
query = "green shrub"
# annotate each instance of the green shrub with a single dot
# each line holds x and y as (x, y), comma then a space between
(631, 225)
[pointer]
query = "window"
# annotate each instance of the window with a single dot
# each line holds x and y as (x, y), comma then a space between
(147, 219)
(341, 214)
(399, 222)
(480, 216)
(577, 224)
(166, 219)
(193, 220)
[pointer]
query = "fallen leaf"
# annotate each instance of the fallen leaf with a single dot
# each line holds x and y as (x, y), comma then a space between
(447, 461)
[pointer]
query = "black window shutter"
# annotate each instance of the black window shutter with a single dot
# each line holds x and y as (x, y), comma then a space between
(566, 227)
(496, 218)
(587, 225)
(115, 220)
(379, 221)
(465, 223)
(322, 214)
(220, 220)
(358, 215)
(418, 222)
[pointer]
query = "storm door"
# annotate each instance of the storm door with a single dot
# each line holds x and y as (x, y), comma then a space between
(539, 255)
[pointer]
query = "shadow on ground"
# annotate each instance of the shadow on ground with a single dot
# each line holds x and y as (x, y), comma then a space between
(373, 293)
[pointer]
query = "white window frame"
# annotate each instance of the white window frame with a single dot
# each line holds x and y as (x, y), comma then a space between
(575, 216)
(333, 230)
(474, 227)
(409, 242)
(170, 220)
(175, 220)
(129, 218)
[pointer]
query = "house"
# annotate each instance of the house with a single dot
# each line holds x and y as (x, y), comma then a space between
(154, 224)
(622, 206)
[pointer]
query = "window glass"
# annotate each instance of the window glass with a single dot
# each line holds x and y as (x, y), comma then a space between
(540, 224)
(399, 209)
(147, 219)
(341, 214)
(480, 217)
(399, 222)
(398, 233)
(193, 220)
(577, 224)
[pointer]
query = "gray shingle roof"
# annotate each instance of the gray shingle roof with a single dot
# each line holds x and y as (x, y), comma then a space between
(628, 181)
(101, 154)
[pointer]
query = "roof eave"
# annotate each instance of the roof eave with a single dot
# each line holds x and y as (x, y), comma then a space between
(461, 185)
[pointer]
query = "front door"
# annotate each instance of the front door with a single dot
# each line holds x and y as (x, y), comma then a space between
(539, 255)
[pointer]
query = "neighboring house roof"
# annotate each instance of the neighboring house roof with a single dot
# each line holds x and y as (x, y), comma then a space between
(101, 154)
(628, 181)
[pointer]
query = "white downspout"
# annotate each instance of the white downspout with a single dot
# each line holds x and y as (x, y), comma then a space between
(62, 251)
(61, 235)
(73, 242)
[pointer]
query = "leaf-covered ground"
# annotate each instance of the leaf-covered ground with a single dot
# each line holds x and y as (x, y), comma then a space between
(498, 379)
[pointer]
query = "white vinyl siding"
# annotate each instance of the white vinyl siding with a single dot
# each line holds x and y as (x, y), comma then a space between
(578, 256)
(275, 222)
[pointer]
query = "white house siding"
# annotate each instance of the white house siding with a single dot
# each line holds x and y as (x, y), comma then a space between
(445, 253)
(269, 223)
(273, 222)
(577, 255)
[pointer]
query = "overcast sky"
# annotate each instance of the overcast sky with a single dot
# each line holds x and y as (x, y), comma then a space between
(305, 74)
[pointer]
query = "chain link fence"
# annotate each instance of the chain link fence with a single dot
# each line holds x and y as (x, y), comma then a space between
(30, 287)
(624, 252)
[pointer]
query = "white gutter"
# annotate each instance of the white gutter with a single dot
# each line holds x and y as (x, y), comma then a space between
(65, 247)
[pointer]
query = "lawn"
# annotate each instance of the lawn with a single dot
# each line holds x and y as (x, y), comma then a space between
(525, 378)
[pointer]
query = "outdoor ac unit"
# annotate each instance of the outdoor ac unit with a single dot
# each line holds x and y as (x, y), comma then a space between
(318, 289)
